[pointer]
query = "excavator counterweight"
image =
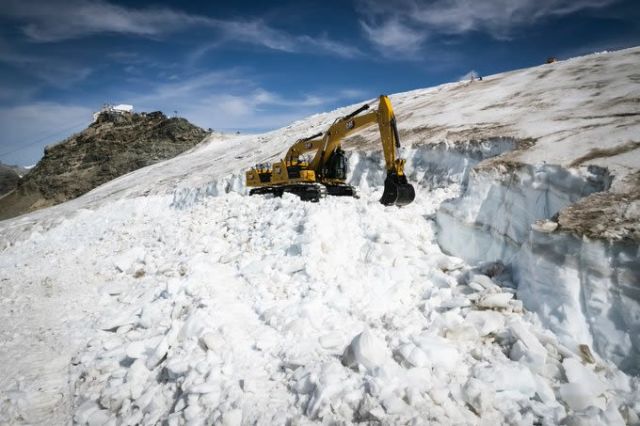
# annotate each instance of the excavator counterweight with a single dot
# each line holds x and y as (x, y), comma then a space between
(325, 173)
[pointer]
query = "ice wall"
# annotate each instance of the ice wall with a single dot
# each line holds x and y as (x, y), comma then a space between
(493, 218)
(187, 197)
(430, 166)
(586, 291)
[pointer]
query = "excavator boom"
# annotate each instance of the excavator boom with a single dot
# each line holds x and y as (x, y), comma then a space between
(326, 171)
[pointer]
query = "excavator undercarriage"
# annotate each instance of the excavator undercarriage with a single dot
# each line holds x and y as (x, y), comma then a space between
(326, 172)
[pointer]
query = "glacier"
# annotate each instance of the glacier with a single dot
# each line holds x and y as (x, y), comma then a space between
(168, 295)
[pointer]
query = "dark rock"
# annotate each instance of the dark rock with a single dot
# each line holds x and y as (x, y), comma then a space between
(115, 144)
(9, 178)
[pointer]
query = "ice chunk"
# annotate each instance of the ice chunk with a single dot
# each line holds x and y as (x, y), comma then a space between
(177, 367)
(508, 377)
(462, 331)
(232, 418)
(528, 349)
(158, 353)
(584, 388)
(137, 378)
(486, 322)
(367, 350)
(482, 280)
(137, 349)
(99, 418)
(114, 319)
(126, 261)
(545, 226)
(449, 263)
(84, 412)
(478, 395)
(576, 372)
(209, 340)
(413, 355)
(438, 351)
(194, 325)
(455, 302)
(494, 300)
(331, 340)
(578, 397)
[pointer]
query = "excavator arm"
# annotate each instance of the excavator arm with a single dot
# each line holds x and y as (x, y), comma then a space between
(397, 190)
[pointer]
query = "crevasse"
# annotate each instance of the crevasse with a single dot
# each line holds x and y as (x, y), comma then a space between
(585, 290)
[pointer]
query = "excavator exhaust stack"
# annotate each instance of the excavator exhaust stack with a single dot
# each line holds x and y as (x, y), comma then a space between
(397, 191)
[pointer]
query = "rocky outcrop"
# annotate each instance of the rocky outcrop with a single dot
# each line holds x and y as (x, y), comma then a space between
(115, 144)
(9, 178)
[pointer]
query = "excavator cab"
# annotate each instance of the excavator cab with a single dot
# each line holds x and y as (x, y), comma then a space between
(337, 166)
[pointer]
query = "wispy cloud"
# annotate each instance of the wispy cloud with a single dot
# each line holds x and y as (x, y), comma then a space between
(404, 26)
(56, 72)
(53, 21)
(234, 99)
(27, 128)
(394, 36)
(50, 21)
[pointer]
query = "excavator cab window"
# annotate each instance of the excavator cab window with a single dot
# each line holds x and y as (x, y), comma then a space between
(337, 165)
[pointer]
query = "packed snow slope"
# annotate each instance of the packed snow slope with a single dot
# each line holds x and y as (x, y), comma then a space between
(168, 295)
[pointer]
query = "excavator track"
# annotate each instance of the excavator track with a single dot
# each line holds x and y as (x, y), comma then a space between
(306, 191)
(342, 191)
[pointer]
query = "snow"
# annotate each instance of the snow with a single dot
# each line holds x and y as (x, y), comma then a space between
(242, 317)
(168, 295)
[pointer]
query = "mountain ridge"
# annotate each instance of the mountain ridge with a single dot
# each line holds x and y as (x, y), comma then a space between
(116, 143)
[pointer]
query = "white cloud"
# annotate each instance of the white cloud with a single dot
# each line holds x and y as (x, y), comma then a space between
(393, 36)
(49, 21)
(403, 26)
(27, 128)
(324, 44)
(233, 99)
(499, 18)
(55, 72)
(56, 20)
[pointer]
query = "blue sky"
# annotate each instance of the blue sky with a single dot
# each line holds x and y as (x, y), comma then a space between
(254, 66)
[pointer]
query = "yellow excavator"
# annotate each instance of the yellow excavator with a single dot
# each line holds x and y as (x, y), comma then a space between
(326, 171)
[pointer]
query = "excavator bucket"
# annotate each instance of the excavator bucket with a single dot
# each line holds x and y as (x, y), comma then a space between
(397, 191)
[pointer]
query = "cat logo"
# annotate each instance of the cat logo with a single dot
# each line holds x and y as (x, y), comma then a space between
(307, 145)
(350, 124)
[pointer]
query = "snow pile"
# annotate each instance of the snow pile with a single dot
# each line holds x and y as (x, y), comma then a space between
(340, 311)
